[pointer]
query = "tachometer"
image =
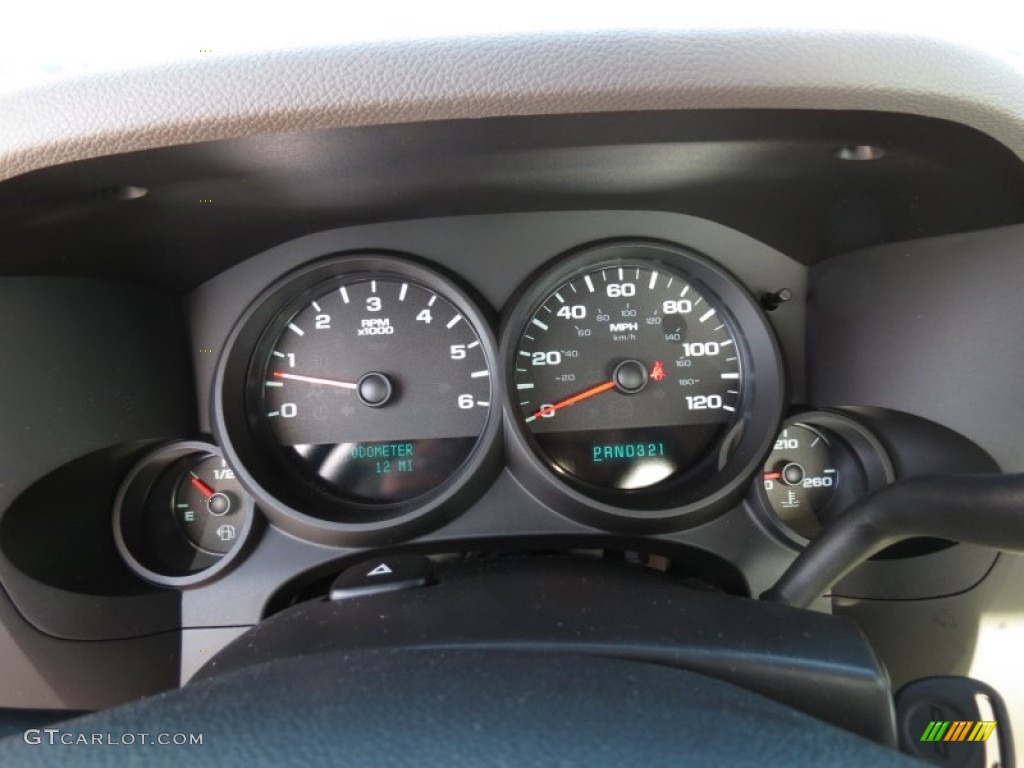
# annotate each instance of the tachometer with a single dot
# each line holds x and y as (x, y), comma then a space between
(632, 376)
(367, 393)
(377, 389)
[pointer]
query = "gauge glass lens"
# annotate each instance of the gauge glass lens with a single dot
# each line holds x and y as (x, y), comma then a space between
(800, 478)
(628, 377)
(374, 389)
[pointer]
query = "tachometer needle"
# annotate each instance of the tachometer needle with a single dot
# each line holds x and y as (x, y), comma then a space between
(202, 487)
(314, 380)
(549, 409)
(772, 475)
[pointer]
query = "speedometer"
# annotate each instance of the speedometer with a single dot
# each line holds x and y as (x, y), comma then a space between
(627, 374)
(633, 380)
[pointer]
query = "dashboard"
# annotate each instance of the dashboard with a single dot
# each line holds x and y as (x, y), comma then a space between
(686, 339)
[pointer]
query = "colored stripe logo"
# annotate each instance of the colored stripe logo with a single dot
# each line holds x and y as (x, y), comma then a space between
(958, 730)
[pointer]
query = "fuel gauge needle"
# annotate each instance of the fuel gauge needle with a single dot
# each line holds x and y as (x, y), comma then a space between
(314, 380)
(202, 487)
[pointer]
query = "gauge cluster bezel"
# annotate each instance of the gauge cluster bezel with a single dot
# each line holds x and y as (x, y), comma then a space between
(298, 508)
(761, 402)
(135, 501)
(520, 248)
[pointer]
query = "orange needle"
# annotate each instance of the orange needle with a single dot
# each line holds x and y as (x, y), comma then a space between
(549, 409)
(202, 487)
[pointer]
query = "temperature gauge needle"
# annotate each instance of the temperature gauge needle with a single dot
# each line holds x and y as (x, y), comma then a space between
(547, 410)
(314, 380)
(202, 487)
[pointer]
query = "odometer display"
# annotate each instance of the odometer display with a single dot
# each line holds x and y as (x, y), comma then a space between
(628, 376)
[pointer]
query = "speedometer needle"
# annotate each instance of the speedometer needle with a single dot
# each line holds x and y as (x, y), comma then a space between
(314, 380)
(547, 410)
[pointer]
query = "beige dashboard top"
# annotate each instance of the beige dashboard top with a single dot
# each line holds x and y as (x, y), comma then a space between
(438, 79)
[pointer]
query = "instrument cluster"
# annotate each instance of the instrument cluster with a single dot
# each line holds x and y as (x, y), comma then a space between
(639, 384)
(369, 397)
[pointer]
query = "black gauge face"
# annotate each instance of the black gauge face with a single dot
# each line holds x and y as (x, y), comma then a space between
(374, 388)
(208, 505)
(801, 478)
(628, 376)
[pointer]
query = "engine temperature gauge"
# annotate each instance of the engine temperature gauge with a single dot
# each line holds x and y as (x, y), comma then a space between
(801, 478)
(822, 463)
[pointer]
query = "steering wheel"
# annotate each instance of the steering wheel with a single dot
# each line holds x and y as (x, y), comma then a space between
(489, 667)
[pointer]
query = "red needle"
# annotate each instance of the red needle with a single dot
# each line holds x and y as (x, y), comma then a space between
(549, 409)
(772, 475)
(202, 487)
(314, 380)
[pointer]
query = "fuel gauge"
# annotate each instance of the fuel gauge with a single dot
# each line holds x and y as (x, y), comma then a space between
(181, 516)
(209, 505)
